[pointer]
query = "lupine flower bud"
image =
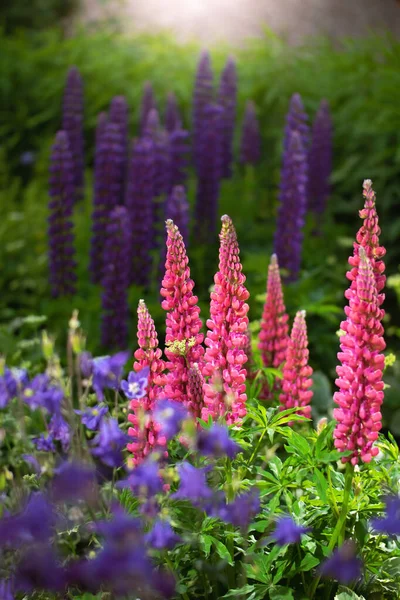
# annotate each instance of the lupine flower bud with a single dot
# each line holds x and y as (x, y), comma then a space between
(292, 207)
(72, 124)
(320, 162)
(368, 238)
(148, 103)
(359, 419)
(139, 202)
(102, 120)
(209, 173)
(119, 115)
(195, 389)
(183, 324)
(107, 192)
(60, 229)
(224, 359)
(172, 116)
(250, 145)
(179, 156)
(274, 332)
(296, 120)
(227, 99)
(115, 280)
(144, 431)
(297, 373)
(202, 95)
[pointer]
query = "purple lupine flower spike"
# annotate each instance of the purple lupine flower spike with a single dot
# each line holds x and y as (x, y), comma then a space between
(292, 208)
(320, 162)
(209, 173)
(227, 99)
(115, 280)
(102, 120)
(60, 229)
(202, 95)
(250, 144)
(107, 192)
(179, 153)
(148, 103)
(296, 120)
(119, 114)
(139, 202)
(72, 123)
(172, 116)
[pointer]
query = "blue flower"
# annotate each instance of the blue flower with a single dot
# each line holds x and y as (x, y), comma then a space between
(136, 385)
(44, 443)
(109, 443)
(162, 536)
(216, 442)
(193, 485)
(35, 523)
(169, 414)
(86, 364)
(145, 480)
(59, 430)
(40, 394)
(74, 481)
(40, 569)
(33, 462)
(4, 395)
(288, 532)
(6, 589)
(122, 529)
(242, 510)
(390, 524)
(343, 565)
(92, 417)
(107, 372)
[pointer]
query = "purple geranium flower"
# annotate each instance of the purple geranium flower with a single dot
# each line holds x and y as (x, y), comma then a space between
(33, 462)
(107, 372)
(92, 417)
(193, 485)
(169, 414)
(109, 443)
(242, 510)
(74, 481)
(343, 565)
(44, 443)
(390, 524)
(122, 529)
(34, 523)
(216, 442)
(59, 430)
(136, 385)
(86, 364)
(144, 480)
(288, 532)
(38, 393)
(162, 536)
(40, 570)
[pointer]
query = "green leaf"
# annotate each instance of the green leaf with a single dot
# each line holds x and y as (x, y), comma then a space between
(222, 550)
(321, 485)
(280, 592)
(309, 562)
(345, 593)
(298, 444)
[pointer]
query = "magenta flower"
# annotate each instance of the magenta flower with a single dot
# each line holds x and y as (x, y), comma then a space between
(360, 383)
(225, 390)
(196, 390)
(274, 332)
(183, 341)
(297, 373)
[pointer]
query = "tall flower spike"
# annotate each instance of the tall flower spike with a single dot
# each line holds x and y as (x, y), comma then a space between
(102, 120)
(72, 124)
(172, 116)
(183, 340)
(292, 207)
(148, 103)
(360, 383)
(107, 192)
(60, 229)
(296, 120)
(274, 332)
(368, 238)
(250, 144)
(179, 154)
(297, 373)
(202, 95)
(120, 116)
(144, 431)
(139, 202)
(115, 280)
(224, 359)
(227, 99)
(209, 173)
(196, 390)
(320, 162)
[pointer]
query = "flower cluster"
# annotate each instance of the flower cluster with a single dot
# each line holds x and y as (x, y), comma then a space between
(320, 162)
(202, 95)
(250, 144)
(227, 99)
(72, 124)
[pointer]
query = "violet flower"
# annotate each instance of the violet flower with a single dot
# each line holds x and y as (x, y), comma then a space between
(148, 103)
(107, 372)
(62, 264)
(242, 510)
(162, 536)
(227, 99)
(169, 415)
(59, 430)
(91, 417)
(72, 124)
(216, 442)
(202, 95)
(73, 481)
(172, 116)
(109, 443)
(107, 193)
(250, 144)
(179, 156)
(115, 279)
(390, 523)
(288, 238)
(193, 485)
(136, 386)
(296, 120)
(320, 162)
(343, 565)
(120, 116)
(33, 524)
(288, 532)
(144, 480)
